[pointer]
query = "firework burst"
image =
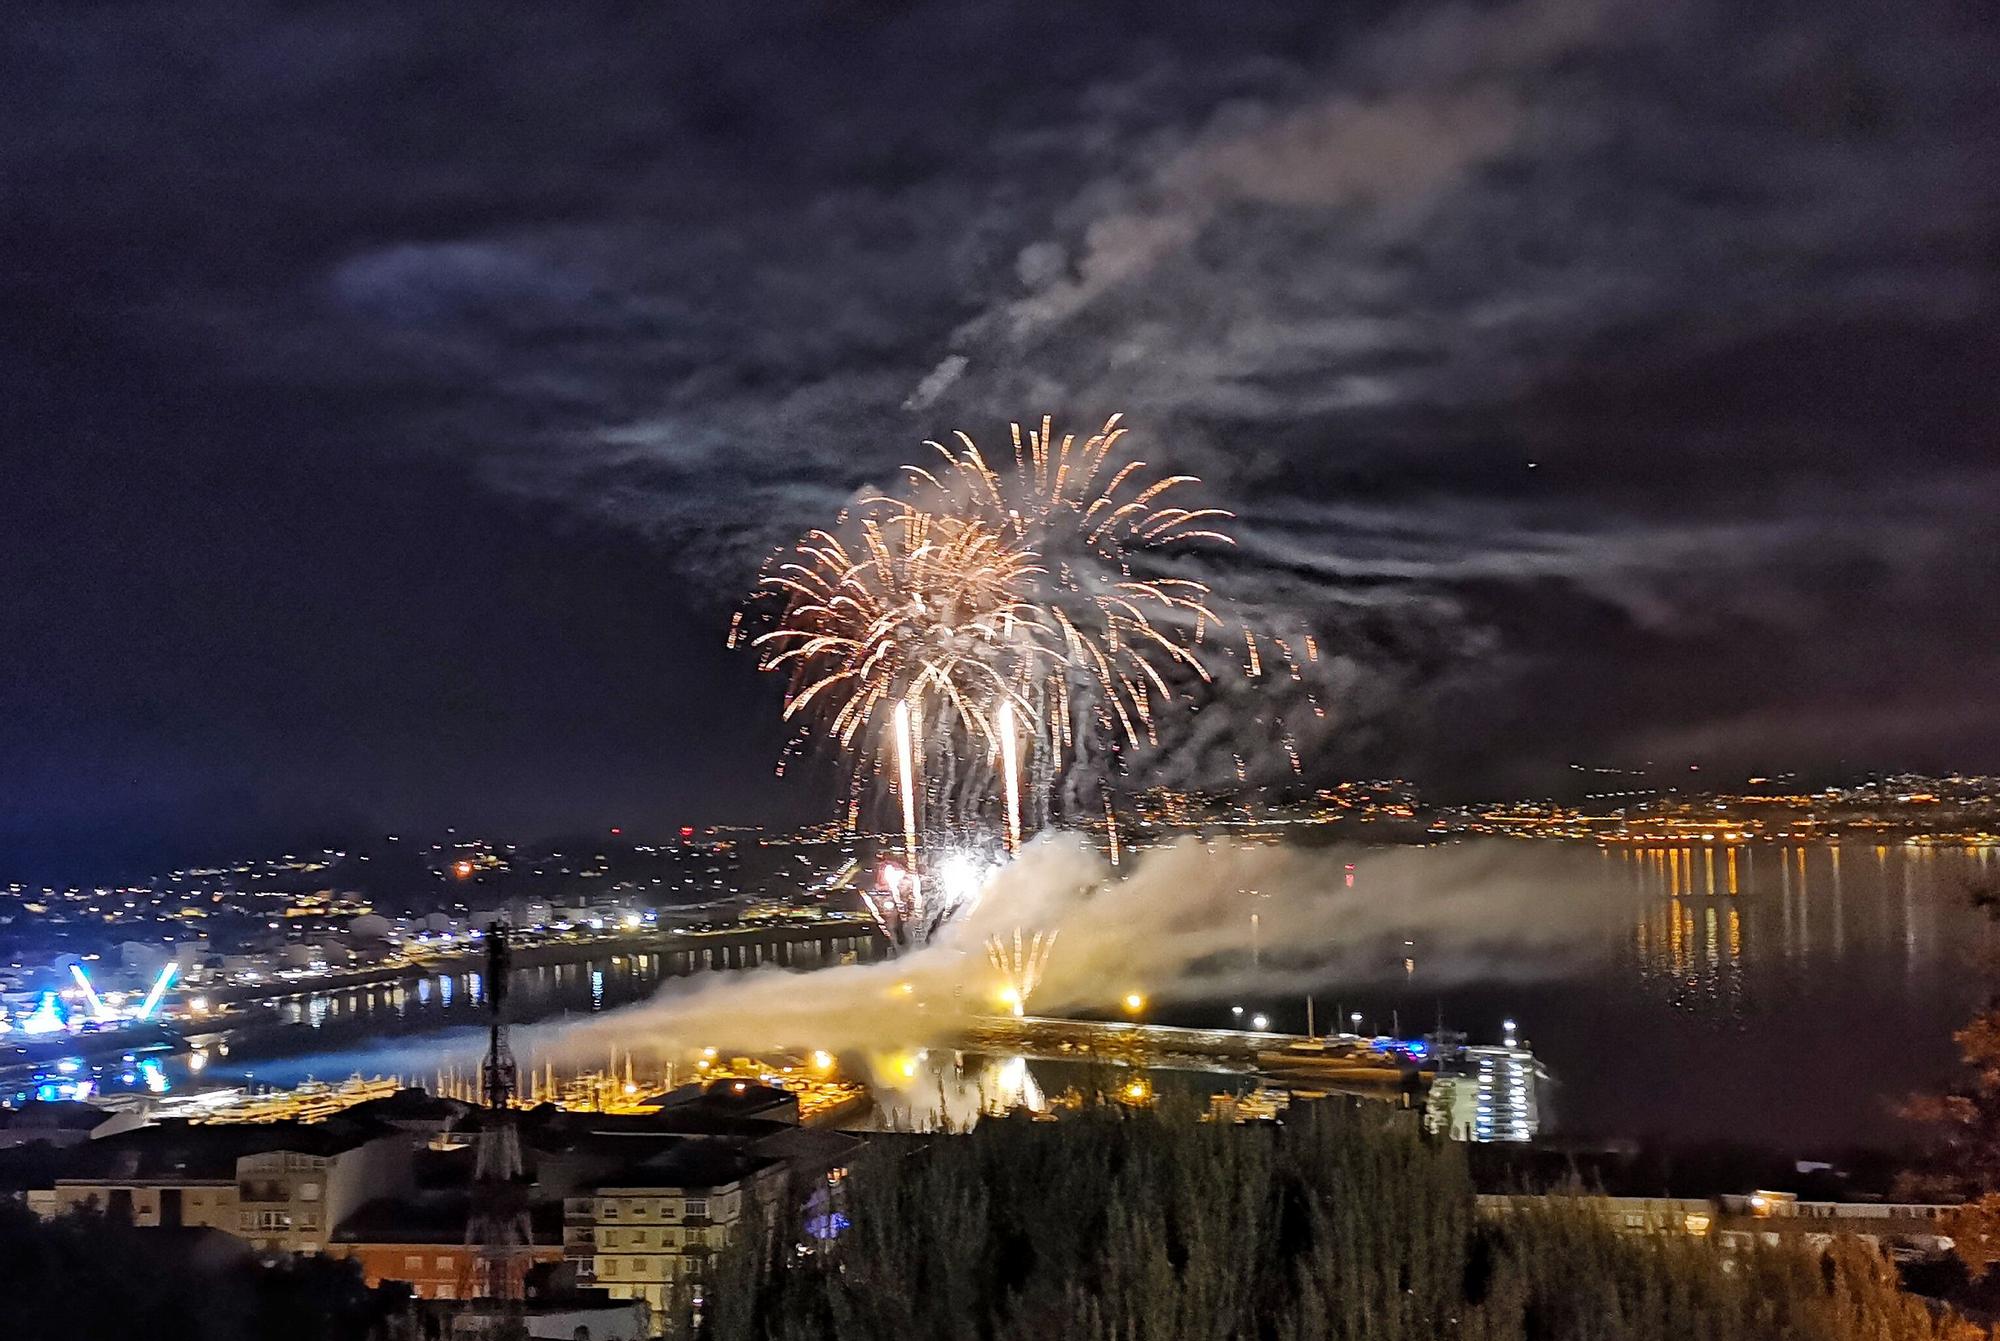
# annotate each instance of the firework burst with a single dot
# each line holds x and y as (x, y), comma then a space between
(917, 609)
(986, 643)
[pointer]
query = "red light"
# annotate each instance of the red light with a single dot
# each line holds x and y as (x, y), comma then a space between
(687, 831)
(615, 831)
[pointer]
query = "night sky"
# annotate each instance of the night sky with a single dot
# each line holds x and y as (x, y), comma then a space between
(395, 403)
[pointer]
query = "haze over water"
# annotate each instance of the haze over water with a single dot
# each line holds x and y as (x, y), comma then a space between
(1798, 1009)
(1793, 1000)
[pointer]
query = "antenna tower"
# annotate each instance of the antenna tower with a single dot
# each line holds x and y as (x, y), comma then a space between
(498, 1224)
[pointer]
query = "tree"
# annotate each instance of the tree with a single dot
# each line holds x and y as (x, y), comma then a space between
(1963, 1159)
(1342, 1224)
(88, 1275)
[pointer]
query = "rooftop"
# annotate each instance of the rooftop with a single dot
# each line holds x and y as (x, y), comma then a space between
(694, 1164)
(206, 1152)
(435, 1218)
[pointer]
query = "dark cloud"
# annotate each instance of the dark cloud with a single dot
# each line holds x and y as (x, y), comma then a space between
(1600, 378)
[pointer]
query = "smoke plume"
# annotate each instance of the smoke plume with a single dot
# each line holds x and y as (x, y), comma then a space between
(1191, 921)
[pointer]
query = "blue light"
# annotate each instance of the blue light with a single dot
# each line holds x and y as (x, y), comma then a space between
(825, 1227)
(47, 1017)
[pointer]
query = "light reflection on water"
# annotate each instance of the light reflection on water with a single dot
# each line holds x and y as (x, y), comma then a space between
(1783, 992)
(1769, 991)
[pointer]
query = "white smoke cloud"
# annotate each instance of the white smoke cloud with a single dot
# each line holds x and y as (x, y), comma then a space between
(1176, 925)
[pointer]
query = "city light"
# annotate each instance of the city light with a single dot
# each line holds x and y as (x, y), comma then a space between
(1134, 1003)
(1260, 1023)
(160, 985)
(97, 1010)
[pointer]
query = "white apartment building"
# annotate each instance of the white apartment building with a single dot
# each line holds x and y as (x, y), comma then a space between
(647, 1230)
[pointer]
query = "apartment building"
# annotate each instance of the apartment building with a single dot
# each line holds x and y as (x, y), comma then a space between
(280, 1186)
(421, 1237)
(647, 1229)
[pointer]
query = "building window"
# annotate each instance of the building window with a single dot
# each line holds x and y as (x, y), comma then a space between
(610, 1267)
(697, 1206)
(444, 1264)
(308, 1191)
(413, 1264)
(610, 1210)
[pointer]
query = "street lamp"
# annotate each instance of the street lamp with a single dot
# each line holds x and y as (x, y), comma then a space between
(1260, 1022)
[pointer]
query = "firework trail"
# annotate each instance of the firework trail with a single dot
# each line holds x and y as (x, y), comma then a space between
(1010, 760)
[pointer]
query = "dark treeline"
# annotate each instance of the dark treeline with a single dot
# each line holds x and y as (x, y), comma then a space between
(1337, 1226)
(86, 1276)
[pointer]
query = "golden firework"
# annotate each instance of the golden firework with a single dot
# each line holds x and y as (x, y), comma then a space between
(976, 640)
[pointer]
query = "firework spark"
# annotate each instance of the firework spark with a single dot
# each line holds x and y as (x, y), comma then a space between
(1020, 966)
